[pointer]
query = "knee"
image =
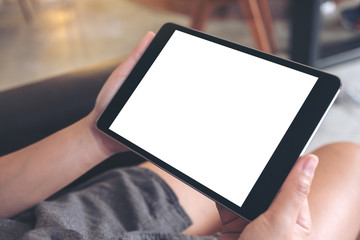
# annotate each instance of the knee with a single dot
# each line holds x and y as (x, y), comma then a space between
(341, 149)
(341, 154)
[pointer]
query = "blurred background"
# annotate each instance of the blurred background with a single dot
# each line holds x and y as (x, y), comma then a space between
(40, 39)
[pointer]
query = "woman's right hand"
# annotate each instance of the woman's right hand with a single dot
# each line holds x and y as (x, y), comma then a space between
(288, 217)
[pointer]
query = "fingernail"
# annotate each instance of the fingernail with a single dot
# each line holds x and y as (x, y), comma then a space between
(310, 164)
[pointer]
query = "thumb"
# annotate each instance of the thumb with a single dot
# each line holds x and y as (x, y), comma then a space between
(293, 194)
(119, 75)
(303, 222)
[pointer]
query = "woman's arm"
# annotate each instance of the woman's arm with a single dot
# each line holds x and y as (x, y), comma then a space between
(34, 173)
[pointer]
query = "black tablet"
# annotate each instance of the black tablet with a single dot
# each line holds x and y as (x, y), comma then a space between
(228, 120)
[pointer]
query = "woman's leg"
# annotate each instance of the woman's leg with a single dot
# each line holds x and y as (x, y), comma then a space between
(335, 193)
(201, 210)
(334, 198)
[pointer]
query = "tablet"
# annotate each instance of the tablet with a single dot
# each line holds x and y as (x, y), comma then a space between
(225, 119)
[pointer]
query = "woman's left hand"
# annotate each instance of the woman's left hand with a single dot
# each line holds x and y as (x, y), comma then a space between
(108, 91)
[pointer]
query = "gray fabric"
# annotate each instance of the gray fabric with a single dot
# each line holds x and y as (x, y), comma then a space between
(129, 203)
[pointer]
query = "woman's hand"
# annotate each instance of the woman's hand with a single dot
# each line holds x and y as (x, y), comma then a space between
(109, 90)
(288, 217)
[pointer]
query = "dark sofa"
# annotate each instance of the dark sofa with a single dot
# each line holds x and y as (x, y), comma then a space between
(32, 112)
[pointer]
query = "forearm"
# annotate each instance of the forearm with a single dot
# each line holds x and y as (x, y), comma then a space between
(34, 173)
(31, 175)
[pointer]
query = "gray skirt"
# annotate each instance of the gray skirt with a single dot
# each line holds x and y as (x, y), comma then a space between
(126, 203)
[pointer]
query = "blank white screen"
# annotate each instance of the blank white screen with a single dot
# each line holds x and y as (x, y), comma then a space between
(213, 113)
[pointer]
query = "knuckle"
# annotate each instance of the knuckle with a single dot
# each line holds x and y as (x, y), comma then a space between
(303, 186)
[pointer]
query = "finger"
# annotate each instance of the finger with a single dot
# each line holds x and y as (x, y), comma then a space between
(295, 190)
(121, 72)
(303, 222)
(225, 214)
(231, 223)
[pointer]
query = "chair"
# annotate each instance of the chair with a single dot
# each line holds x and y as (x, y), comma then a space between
(256, 12)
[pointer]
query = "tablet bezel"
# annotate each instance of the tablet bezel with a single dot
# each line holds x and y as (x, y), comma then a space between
(290, 148)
